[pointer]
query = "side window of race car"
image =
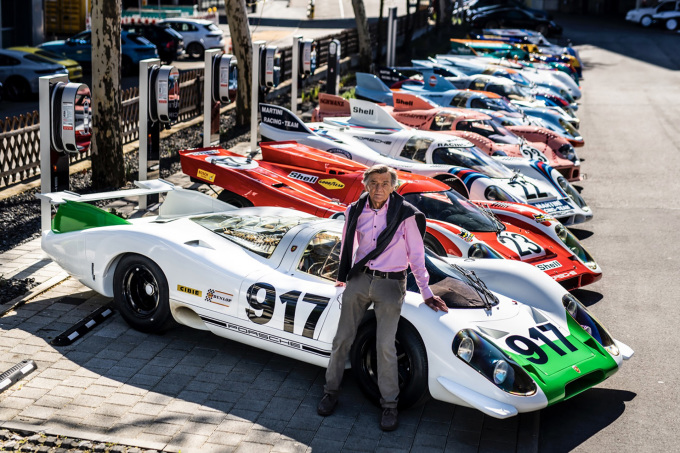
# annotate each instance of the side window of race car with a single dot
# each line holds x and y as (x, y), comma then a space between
(322, 256)
(416, 148)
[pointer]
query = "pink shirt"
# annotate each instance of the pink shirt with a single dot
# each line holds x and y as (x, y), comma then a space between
(406, 247)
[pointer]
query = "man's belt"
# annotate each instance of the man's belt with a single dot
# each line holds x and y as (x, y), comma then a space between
(391, 275)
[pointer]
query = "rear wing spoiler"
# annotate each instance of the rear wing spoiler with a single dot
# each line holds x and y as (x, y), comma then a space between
(148, 187)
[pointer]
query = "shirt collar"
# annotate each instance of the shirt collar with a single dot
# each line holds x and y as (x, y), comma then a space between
(384, 207)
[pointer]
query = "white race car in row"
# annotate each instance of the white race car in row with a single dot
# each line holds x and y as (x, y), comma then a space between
(371, 136)
(513, 340)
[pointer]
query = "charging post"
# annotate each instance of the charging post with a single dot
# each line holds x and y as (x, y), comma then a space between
(333, 73)
(219, 82)
(265, 76)
(304, 65)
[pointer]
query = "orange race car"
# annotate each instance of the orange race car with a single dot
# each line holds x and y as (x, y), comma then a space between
(296, 176)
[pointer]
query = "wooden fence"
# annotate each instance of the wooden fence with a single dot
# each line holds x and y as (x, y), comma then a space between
(20, 136)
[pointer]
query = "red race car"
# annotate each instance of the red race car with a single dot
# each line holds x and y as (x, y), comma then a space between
(296, 176)
(530, 142)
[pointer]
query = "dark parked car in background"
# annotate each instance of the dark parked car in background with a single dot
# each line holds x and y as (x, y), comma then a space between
(168, 42)
(513, 17)
(472, 7)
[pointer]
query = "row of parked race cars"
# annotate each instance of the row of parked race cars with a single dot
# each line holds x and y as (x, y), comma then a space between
(492, 171)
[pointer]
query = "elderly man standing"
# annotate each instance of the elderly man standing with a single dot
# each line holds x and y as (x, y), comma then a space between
(383, 235)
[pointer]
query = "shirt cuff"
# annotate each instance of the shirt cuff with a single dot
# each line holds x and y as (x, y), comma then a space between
(426, 293)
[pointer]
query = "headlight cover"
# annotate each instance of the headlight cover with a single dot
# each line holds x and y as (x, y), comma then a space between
(495, 193)
(589, 323)
(572, 193)
(492, 363)
(574, 245)
(482, 251)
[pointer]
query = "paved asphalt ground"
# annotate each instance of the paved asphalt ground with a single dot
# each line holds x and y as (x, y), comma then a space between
(194, 391)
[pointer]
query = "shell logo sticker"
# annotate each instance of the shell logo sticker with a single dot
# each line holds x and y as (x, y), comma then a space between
(192, 291)
(331, 184)
(432, 80)
(205, 175)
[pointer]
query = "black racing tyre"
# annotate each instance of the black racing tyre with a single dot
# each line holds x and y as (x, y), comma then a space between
(456, 184)
(234, 199)
(432, 244)
(16, 89)
(195, 50)
(646, 21)
(140, 292)
(412, 357)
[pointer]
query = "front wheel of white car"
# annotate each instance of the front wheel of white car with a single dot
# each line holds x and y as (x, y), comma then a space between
(646, 21)
(412, 362)
(672, 24)
(140, 292)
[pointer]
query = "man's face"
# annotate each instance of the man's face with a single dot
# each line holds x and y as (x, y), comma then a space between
(379, 188)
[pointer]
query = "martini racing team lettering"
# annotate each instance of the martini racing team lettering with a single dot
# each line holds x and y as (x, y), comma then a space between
(186, 289)
(554, 206)
(524, 346)
(303, 177)
(280, 118)
(289, 300)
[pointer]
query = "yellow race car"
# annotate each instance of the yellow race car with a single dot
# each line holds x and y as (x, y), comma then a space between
(75, 71)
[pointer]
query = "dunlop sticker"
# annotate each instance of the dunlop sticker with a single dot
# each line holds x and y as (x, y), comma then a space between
(218, 297)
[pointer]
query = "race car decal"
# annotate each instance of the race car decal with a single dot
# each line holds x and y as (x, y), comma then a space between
(281, 119)
(549, 265)
(524, 246)
(266, 336)
(211, 152)
(218, 297)
(303, 177)
(468, 176)
(546, 170)
(331, 184)
(530, 189)
(205, 175)
(524, 346)
(290, 300)
(533, 153)
(186, 289)
(565, 275)
(466, 235)
(557, 206)
(374, 140)
(540, 218)
(342, 152)
(500, 205)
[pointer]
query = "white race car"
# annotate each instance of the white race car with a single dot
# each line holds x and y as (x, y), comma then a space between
(371, 136)
(513, 340)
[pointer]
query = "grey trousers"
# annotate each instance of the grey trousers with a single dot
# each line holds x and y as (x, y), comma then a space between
(387, 297)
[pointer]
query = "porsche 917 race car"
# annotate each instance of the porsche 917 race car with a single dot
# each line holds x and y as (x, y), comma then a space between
(513, 340)
(292, 175)
(372, 136)
(478, 128)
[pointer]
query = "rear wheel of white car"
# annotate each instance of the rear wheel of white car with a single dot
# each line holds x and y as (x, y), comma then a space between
(411, 356)
(234, 199)
(646, 21)
(195, 50)
(672, 24)
(140, 291)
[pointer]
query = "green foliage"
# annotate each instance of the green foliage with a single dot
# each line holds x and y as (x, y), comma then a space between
(349, 94)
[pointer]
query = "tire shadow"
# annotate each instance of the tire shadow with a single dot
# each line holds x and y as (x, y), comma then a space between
(587, 413)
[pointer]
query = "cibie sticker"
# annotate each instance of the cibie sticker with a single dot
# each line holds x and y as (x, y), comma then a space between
(205, 175)
(218, 297)
(549, 265)
(186, 289)
(303, 177)
(331, 184)
(211, 152)
(540, 218)
(466, 235)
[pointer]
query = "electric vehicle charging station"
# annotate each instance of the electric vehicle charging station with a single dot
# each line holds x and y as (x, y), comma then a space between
(391, 35)
(220, 75)
(65, 128)
(333, 73)
(158, 106)
(304, 65)
(265, 75)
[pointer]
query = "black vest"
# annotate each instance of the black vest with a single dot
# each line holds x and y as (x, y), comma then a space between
(398, 210)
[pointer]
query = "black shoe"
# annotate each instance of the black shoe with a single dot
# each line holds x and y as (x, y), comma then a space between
(327, 404)
(389, 420)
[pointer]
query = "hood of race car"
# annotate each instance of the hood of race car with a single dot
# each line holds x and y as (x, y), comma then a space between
(559, 355)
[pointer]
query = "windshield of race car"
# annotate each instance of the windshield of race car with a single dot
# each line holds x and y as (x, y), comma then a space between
(448, 206)
(471, 158)
(259, 234)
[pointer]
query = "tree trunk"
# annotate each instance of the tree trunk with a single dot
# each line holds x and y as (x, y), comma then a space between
(365, 51)
(243, 49)
(107, 141)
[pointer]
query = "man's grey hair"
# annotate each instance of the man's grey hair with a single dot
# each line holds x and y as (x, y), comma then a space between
(381, 169)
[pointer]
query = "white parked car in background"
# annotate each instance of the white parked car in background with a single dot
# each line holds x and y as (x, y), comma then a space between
(646, 16)
(198, 35)
(20, 71)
